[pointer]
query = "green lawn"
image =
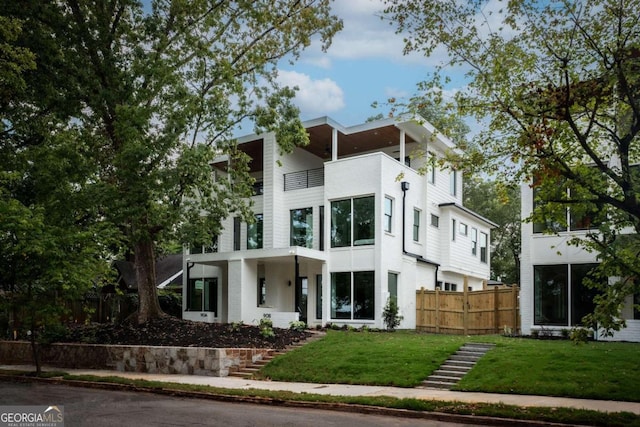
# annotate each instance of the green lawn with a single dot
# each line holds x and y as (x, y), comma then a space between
(595, 370)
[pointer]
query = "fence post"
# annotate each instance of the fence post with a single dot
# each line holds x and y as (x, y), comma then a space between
(516, 315)
(465, 306)
(437, 314)
(496, 309)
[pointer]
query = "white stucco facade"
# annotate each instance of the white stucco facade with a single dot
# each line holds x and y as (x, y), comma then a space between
(367, 226)
(545, 253)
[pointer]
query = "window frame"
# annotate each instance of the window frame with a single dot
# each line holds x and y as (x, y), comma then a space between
(417, 213)
(388, 214)
(358, 227)
(359, 284)
(484, 250)
(305, 218)
(435, 221)
(256, 229)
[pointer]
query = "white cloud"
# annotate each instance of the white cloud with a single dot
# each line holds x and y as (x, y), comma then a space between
(365, 36)
(314, 97)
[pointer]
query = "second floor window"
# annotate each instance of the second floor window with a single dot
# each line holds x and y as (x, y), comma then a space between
(302, 227)
(254, 233)
(353, 222)
(416, 225)
(474, 241)
(484, 243)
(388, 214)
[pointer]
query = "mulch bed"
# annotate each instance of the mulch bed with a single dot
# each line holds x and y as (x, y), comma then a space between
(171, 331)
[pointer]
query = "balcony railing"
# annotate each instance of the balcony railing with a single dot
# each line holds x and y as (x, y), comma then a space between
(304, 179)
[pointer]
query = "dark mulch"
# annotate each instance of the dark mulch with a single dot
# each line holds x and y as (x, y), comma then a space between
(171, 331)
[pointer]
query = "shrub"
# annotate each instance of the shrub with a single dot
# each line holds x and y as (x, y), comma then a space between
(266, 328)
(390, 315)
(297, 325)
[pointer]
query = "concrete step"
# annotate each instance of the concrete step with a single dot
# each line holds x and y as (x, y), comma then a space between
(456, 366)
(443, 379)
(447, 373)
(464, 358)
(449, 367)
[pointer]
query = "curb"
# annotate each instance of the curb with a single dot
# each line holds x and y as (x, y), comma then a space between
(342, 407)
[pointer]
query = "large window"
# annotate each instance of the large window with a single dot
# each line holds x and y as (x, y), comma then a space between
(203, 295)
(352, 295)
(302, 227)
(388, 214)
(557, 303)
(582, 295)
(362, 228)
(550, 295)
(416, 225)
(254, 233)
(575, 218)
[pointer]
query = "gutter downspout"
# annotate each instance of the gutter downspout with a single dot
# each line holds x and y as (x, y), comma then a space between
(404, 185)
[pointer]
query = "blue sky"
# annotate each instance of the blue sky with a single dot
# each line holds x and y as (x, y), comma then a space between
(364, 64)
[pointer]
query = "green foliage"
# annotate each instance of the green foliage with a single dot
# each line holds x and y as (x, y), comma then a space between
(559, 98)
(298, 325)
(500, 204)
(152, 95)
(390, 315)
(266, 328)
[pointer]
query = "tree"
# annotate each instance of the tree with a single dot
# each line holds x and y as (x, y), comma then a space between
(156, 92)
(52, 242)
(557, 83)
(501, 204)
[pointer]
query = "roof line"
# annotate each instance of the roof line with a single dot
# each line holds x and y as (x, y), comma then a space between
(468, 211)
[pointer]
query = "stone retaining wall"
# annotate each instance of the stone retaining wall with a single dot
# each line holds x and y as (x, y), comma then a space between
(217, 362)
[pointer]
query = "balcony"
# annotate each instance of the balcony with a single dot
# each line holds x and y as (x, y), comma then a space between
(304, 179)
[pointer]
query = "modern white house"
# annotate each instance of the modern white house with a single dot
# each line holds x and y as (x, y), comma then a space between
(552, 295)
(342, 225)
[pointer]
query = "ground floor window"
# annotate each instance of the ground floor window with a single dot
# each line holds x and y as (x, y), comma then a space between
(203, 295)
(392, 285)
(352, 295)
(561, 294)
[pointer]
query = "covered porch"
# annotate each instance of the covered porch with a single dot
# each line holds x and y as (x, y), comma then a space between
(282, 284)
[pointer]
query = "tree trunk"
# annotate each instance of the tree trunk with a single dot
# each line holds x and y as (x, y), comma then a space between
(145, 266)
(35, 350)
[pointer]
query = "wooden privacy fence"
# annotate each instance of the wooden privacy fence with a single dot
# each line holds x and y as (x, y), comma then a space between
(488, 311)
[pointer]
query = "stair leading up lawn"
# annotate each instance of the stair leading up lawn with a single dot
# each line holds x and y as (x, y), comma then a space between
(456, 366)
(249, 370)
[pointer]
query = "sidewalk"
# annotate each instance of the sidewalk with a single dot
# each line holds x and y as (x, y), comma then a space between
(359, 390)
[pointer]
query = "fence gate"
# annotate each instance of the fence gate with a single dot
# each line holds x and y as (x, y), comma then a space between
(489, 311)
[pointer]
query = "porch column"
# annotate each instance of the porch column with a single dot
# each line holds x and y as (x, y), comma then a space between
(334, 144)
(234, 290)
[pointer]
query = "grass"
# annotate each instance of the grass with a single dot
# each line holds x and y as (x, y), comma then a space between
(557, 415)
(596, 370)
(401, 359)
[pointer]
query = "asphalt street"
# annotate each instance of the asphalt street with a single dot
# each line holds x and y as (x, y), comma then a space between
(98, 408)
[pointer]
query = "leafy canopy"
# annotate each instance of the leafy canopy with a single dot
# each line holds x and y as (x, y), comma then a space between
(154, 92)
(557, 84)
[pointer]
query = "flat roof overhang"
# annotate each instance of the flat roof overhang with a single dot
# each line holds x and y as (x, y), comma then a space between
(260, 255)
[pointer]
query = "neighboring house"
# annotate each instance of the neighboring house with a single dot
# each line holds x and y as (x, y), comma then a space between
(552, 294)
(113, 302)
(342, 225)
